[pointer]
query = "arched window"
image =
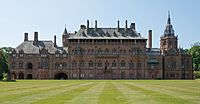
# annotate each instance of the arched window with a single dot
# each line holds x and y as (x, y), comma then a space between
(29, 66)
(114, 64)
(99, 64)
(123, 64)
(90, 64)
(20, 65)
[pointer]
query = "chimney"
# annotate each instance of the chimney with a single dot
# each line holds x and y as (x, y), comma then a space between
(132, 26)
(88, 24)
(55, 41)
(126, 24)
(35, 38)
(118, 25)
(150, 39)
(95, 25)
(25, 36)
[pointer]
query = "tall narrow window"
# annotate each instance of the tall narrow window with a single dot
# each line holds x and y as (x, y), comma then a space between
(123, 64)
(20, 65)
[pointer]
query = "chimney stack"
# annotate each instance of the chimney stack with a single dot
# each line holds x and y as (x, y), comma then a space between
(35, 38)
(95, 25)
(55, 41)
(88, 25)
(150, 39)
(25, 36)
(126, 23)
(118, 25)
(132, 26)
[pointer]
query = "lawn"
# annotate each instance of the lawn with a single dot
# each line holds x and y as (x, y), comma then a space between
(100, 92)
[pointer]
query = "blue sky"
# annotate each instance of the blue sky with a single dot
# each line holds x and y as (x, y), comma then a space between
(49, 17)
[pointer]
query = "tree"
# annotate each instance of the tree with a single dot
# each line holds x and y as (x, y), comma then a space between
(194, 51)
(4, 60)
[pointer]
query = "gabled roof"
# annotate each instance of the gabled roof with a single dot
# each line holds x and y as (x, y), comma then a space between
(29, 48)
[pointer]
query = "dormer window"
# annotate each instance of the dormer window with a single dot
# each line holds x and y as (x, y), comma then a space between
(64, 55)
(21, 55)
(57, 55)
(13, 55)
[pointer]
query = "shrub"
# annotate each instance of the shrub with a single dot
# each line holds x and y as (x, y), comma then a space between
(5, 77)
(197, 74)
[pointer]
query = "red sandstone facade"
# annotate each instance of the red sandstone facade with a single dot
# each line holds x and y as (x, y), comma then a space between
(101, 53)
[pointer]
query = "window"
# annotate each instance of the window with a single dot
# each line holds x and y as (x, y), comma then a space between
(57, 65)
(172, 64)
(20, 65)
(99, 51)
(114, 64)
(45, 64)
(99, 64)
(82, 64)
(114, 51)
(13, 65)
(106, 51)
(107, 64)
(82, 75)
(64, 65)
(123, 64)
(90, 64)
(131, 64)
(29, 66)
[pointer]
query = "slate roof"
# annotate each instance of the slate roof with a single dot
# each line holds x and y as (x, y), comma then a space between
(106, 33)
(28, 47)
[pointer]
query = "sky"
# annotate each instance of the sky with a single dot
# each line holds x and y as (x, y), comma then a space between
(48, 17)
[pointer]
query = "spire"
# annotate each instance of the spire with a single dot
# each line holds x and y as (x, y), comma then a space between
(169, 31)
(65, 31)
(168, 20)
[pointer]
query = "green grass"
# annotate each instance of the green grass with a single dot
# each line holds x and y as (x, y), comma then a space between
(100, 92)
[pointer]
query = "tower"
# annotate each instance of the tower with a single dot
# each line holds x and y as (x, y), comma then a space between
(168, 41)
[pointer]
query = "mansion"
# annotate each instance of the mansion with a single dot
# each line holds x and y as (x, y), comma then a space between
(101, 53)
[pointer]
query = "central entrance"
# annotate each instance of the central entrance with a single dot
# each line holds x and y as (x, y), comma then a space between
(60, 76)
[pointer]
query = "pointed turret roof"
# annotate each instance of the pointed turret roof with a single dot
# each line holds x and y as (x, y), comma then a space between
(65, 31)
(169, 31)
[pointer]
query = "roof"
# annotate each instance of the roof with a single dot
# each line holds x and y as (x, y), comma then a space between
(28, 47)
(106, 33)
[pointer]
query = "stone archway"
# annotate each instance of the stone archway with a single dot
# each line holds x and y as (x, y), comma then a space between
(21, 76)
(60, 76)
(29, 76)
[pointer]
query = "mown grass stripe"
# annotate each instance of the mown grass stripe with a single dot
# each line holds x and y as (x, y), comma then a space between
(14, 97)
(175, 92)
(65, 95)
(111, 95)
(156, 97)
(90, 96)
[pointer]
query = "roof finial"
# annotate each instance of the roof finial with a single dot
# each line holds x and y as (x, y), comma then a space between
(168, 20)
